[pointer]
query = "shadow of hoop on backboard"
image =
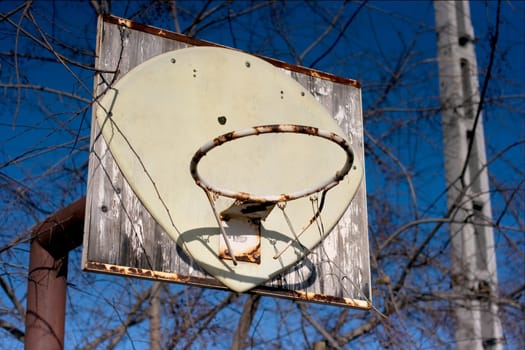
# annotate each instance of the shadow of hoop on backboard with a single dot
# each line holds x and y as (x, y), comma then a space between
(305, 267)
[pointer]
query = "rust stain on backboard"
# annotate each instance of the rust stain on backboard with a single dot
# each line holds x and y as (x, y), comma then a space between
(242, 225)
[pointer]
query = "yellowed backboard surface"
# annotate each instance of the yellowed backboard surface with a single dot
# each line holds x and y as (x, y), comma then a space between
(196, 94)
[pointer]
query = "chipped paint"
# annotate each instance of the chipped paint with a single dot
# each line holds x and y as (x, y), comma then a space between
(340, 116)
(325, 299)
(321, 91)
(149, 274)
(243, 233)
(124, 22)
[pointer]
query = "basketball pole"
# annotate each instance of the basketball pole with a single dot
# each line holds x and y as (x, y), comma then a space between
(51, 241)
(474, 274)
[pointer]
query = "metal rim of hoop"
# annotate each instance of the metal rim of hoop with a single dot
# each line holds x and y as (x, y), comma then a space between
(268, 129)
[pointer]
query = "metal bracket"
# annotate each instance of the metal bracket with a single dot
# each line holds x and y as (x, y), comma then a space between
(242, 225)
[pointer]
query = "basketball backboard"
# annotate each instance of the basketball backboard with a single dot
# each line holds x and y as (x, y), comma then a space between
(175, 95)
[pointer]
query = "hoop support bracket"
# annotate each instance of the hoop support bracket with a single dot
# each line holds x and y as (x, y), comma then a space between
(271, 200)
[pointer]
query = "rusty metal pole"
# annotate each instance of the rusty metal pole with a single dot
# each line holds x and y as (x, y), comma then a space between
(52, 239)
(46, 300)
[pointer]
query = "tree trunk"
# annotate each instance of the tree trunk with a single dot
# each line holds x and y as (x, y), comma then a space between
(154, 317)
(248, 312)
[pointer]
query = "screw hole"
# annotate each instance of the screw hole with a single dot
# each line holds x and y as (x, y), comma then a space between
(248, 64)
(173, 60)
(221, 120)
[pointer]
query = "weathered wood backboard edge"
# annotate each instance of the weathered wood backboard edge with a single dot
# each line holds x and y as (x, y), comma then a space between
(115, 216)
(207, 282)
(198, 42)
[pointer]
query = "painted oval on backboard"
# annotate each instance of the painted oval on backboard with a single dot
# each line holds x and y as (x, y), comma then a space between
(159, 114)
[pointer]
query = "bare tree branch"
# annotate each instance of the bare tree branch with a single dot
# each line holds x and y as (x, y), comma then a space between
(340, 34)
(331, 340)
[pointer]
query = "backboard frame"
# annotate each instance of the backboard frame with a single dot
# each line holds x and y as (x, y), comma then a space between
(122, 238)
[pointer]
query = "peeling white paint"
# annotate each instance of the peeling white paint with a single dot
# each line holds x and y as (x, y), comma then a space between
(321, 91)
